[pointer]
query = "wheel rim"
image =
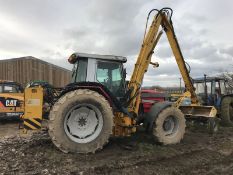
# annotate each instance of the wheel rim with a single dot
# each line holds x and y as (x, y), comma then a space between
(170, 125)
(83, 123)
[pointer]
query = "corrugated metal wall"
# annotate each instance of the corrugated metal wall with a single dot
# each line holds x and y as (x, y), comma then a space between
(25, 69)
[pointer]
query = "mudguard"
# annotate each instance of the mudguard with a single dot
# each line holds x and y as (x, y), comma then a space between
(228, 95)
(98, 87)
(153, 114)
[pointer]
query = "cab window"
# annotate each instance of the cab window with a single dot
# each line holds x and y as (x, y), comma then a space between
(110, 75)
(79, 73)
(9, 89)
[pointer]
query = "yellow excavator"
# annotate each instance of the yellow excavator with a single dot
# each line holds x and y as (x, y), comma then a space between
(100, 103)
(11, 99)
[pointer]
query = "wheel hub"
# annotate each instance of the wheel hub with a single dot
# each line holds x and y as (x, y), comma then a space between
(83, 123)
(167, 125)
(170, 125)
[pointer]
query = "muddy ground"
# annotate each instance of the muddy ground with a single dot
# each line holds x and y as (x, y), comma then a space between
(199, 153)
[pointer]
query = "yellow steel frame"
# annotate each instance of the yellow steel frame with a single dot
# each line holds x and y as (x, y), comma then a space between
(144, 58)
(125, 125)
(33, 108)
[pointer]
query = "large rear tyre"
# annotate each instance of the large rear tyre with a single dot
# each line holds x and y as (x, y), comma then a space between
(81, 121)
(169, 126)
(227, 111)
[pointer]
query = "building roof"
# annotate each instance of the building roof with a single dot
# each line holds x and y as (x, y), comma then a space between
(36, 59)
(103, 57)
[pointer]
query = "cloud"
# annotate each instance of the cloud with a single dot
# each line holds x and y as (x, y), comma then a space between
(111, 31)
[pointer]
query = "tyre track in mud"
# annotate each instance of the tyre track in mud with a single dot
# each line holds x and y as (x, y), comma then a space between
(195, 162)
(194, 158)
(199, 153)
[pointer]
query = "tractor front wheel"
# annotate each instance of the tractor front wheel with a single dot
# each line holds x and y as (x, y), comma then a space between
(81, 121)
(169, 126)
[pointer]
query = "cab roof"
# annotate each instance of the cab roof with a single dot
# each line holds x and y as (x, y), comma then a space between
(102, 57)
(208, 79)
(6, 81)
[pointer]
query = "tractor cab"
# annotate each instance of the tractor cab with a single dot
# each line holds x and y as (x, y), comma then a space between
(105, 69)
(211, 89)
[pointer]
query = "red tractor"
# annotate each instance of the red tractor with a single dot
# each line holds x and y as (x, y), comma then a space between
(149, 97)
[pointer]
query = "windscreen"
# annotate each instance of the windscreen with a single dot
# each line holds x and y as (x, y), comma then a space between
(10, 89)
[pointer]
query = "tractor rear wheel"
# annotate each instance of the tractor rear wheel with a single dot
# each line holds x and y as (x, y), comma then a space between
(81, 121)
(227, 111)
(169, 126)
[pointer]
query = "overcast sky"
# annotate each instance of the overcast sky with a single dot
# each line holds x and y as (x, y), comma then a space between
(53, 29)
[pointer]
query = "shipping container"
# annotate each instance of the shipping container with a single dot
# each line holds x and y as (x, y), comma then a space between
(26, 69)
